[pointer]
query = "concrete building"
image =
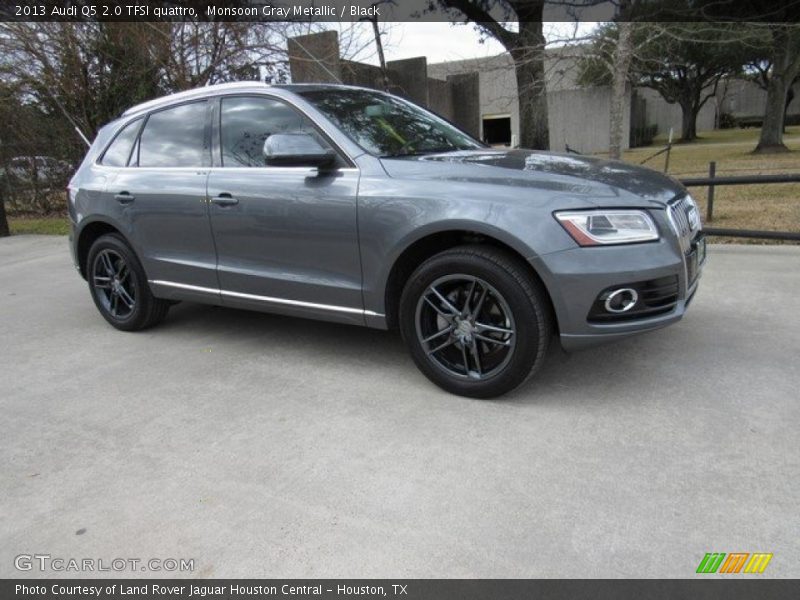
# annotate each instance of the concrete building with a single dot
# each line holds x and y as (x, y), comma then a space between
(577, 116)
(480, 94)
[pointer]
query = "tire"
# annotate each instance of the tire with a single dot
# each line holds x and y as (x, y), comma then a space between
(479, 340)
(119, 286)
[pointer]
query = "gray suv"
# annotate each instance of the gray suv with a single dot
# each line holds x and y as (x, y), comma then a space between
(351, 205)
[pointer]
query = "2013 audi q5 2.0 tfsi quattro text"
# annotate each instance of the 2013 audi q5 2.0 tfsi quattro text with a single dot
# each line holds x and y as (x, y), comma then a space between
(352, 205)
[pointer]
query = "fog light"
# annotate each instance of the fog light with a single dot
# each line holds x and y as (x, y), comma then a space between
(621, 300)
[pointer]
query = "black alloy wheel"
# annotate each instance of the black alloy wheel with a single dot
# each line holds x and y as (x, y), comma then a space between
(119, 286)
(476, 319)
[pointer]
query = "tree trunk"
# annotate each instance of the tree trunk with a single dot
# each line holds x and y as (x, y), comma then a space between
(785, 66)
(622, 61)
(688, 121)
(4, 229)
(381, 59)
(528, 55)
(771, 139)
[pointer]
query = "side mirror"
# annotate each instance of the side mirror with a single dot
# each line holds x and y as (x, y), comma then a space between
(296, 150)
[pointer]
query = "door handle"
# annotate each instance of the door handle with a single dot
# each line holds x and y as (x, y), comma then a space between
(224, 200)
(124, 198)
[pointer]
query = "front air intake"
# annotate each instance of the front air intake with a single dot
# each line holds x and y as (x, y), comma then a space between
(637, 300)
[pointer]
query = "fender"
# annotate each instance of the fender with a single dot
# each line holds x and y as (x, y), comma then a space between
(375, 292)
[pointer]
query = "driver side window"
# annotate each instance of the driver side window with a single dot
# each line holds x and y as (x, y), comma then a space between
(246, 122)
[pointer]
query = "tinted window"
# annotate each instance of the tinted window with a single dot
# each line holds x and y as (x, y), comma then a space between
(247, 122)
(388, 126)
(120, 149)
(174, 137)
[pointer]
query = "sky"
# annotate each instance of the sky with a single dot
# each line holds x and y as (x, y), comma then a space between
(441, 42)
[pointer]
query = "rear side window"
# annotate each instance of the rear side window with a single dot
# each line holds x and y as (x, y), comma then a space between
(119, 151)
(247, 121)
(174, 137)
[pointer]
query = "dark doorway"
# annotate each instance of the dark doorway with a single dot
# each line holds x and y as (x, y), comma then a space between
(497, 131)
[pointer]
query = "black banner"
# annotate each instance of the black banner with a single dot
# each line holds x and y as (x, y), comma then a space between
(399, 10)
(409, 589)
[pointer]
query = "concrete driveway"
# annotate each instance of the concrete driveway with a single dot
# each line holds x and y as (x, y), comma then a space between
(268, 446)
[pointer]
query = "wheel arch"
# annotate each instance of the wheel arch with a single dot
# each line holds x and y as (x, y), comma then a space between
(88, 234)
(430, 243)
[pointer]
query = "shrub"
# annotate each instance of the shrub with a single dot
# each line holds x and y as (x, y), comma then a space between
(727, 121)
(643, 136)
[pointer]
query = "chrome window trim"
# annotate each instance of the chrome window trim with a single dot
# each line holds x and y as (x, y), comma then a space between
(267, 299)
(194, 94)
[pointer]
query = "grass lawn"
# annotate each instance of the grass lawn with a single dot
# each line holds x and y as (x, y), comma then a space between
(771, 207)
(39, 225)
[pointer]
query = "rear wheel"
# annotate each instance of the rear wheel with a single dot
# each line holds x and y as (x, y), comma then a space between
(475, 321)
(119, 286)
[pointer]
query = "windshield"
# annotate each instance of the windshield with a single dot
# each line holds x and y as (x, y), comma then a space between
(388, 126)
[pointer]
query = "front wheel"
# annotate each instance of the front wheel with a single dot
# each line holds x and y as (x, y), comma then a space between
(476, 322)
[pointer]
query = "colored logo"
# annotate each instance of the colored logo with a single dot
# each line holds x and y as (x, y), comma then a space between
(735, 562)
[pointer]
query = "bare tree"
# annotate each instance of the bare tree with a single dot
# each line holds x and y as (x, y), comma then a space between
(90, 72)
(87, 72)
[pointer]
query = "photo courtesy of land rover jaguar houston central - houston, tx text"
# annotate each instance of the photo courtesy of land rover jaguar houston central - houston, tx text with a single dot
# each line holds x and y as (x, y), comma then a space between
(352, 205)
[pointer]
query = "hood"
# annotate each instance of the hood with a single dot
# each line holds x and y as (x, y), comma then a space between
(597, 180)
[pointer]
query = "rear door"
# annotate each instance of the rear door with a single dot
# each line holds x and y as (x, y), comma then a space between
(162, 198)
(286, 237)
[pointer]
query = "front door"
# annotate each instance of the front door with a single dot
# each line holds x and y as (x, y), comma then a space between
(286, 237)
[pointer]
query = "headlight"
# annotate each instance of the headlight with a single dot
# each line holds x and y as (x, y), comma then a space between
(599, 227)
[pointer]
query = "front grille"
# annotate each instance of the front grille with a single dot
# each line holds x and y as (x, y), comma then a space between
(685, 220)
(656, 297)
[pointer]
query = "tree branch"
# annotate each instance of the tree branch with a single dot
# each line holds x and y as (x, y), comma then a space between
(482, 18)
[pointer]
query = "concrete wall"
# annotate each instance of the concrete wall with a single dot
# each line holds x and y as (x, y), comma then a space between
(497, 87)
(576, 116)
(440, 98)
(580, 118)
(409, 78)
(743, 98)
(315, 58)
(361, 74)
(665, 115)
(466, 108)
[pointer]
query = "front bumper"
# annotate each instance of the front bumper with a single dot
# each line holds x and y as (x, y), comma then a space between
(576, 277)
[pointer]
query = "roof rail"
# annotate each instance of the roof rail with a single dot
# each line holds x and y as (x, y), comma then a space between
(193, 93)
